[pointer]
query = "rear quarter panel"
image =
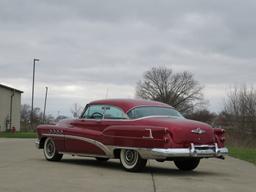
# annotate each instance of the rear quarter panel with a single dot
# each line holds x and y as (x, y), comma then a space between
(135, 136)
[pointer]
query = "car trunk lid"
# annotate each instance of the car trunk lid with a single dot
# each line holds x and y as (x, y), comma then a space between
(192, 132)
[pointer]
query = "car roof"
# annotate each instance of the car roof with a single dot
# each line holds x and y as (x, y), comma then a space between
(128, 104)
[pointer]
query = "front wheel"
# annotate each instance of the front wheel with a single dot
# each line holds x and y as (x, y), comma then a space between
(50, 152)
(131, 160)
(187, 164)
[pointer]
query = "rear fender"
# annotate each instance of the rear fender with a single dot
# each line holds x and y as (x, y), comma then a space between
(136, 136)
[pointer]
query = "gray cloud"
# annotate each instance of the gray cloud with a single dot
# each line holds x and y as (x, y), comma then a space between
(99, 44)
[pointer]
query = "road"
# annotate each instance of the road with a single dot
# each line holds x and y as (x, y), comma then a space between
(23, 168)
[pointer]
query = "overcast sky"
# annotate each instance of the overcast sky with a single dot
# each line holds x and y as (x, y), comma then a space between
(88, 47)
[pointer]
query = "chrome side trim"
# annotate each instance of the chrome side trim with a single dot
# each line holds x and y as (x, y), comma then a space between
(52, 135)
(84, 154)
(201, 151)
(91, 141)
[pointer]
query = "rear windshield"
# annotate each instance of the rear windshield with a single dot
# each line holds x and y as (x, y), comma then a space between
(139, 112)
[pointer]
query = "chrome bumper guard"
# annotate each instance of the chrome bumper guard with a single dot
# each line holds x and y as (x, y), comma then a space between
(203, 151)
(37, 143)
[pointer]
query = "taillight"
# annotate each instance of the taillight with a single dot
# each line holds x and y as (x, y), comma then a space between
(219, 136)
(219, 131)
(222, 139)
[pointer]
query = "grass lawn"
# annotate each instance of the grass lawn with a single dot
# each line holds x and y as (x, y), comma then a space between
(18, 135)
(247, 154)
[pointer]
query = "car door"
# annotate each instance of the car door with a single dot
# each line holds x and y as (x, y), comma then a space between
(84, 137)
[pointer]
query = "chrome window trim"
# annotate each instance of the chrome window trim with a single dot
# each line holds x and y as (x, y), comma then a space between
(155, 115)
(148, 106)
(126, 114)
(152, 116)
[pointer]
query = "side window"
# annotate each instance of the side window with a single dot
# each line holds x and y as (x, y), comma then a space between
(94, 112)
(104, 111)
(114, 113)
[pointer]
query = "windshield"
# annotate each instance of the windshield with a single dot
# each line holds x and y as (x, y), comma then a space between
(139, 112)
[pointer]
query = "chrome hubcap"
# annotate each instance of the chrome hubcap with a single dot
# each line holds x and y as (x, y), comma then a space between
(131, 157)
(50, 148)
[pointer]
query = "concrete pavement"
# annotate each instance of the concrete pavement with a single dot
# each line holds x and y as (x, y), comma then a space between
(23, 168)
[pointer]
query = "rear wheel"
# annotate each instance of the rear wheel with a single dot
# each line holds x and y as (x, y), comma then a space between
(131, 160)
(50, 152)
(187, 164)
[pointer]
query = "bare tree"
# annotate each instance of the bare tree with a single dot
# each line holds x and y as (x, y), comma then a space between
(203, 115)
(240, 108)
(37, 117)
(25, 115)
(76, 110)
(177, 89)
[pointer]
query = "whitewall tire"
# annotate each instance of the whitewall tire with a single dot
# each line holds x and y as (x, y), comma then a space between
(131, 160)
(50, 152)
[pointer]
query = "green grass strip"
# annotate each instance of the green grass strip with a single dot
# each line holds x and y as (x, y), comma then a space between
(18, 135)
(247, 154)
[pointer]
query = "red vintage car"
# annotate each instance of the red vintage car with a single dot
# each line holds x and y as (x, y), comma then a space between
(133, 131)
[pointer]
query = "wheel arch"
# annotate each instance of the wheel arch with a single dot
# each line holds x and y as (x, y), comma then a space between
(41, 142)
(117, 153)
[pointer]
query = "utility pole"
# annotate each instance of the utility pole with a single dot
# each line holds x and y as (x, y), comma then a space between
(33, 87)
(45, 100)
(11, 103)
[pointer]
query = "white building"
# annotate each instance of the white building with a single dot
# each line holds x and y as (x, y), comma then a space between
(10, 103)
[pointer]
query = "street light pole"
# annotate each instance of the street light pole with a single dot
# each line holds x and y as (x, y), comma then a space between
(33, 87)
(45, 100)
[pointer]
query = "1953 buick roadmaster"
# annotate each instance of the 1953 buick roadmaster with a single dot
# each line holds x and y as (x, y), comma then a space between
(132, 131)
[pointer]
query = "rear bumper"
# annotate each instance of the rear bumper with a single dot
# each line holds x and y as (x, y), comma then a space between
(200, 151)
